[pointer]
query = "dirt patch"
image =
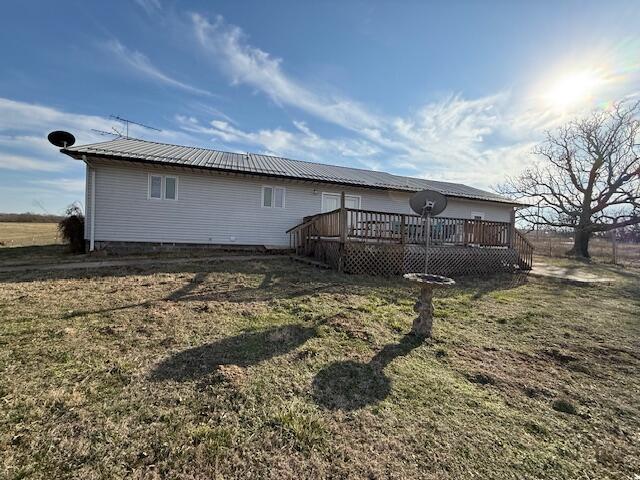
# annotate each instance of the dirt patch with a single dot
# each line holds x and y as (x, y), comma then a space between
(232, 374)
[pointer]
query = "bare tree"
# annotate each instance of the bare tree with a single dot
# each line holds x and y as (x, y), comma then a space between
(588, 178)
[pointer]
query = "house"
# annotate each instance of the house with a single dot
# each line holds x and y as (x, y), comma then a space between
(141, 193)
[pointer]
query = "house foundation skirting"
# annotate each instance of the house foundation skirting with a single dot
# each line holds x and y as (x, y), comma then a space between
(395, 259)
(120, 247)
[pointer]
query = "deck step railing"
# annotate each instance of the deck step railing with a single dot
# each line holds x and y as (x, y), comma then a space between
(525, 250)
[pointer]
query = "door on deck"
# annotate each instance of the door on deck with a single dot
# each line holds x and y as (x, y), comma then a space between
(331, 201)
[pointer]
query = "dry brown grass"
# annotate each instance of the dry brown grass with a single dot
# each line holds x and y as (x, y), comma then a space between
(18, 234)
(277, 370)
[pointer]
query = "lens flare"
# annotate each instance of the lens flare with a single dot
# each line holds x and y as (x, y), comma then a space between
(574, 89)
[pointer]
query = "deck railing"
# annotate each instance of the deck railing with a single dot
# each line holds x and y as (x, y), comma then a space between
(368, 225)
(355, 225)
(363, 225)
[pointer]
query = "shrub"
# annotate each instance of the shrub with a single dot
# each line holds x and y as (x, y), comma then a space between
(71, 228)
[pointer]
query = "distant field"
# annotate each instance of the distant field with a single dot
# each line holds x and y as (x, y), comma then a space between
(600, 249)
(18, 234)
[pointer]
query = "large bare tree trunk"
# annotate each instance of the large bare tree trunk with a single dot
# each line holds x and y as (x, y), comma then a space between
(580, 244)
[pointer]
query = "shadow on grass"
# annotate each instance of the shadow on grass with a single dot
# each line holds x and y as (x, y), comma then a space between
(200, 288)
(246, 349)
(350, 385)
(478, 287)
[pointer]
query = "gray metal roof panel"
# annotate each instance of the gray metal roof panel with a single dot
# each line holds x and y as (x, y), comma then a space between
(142, 150)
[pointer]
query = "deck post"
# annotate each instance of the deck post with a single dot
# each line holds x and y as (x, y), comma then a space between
(403, 229)
(512, 228)
(343, 230)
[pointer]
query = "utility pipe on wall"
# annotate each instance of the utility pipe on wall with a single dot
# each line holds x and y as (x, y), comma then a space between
(92, 235)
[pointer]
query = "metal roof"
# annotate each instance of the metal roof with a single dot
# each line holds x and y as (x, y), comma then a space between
(144, 151)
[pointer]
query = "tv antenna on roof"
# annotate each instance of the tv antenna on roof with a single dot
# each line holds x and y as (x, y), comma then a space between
(115, 132)
(126, 122)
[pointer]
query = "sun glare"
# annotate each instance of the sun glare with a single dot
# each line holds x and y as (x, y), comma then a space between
(573, 89)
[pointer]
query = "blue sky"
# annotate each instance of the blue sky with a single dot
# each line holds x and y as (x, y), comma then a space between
(457, 91)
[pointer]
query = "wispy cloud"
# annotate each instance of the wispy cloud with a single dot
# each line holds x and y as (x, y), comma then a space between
(141, 64)
(20, 162)
(249, 65)
(300, 142)
(73, 185)
(471, 140)
(150, 6)
(441, 138)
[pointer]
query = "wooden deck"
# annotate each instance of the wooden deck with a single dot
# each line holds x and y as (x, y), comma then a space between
(384, 243)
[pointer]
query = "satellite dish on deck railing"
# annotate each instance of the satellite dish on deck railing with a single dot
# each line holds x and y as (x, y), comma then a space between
(428, 202)
(61, 139)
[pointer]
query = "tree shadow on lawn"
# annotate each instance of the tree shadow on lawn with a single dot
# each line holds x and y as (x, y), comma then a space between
(244, 350)
(478, 287)
(350, 385)
(282, 284)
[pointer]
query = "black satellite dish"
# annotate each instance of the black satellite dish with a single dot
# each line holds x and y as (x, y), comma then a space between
(61, 139)
(428, 202)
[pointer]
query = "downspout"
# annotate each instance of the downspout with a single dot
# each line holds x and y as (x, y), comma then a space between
(92, 236)
(92, 239)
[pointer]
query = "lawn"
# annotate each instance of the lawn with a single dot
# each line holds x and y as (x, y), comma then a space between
(20, 234)
(270, 369)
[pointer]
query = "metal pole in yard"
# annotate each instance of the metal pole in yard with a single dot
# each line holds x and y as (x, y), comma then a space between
(426, 242)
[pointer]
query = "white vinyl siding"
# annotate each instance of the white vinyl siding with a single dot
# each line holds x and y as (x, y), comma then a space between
(226, 209)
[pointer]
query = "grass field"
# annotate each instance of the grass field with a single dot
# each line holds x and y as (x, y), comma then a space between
(600, 249)
(18, 234)
(270, 369)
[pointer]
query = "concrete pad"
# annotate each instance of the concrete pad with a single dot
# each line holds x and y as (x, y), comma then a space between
(569, 274)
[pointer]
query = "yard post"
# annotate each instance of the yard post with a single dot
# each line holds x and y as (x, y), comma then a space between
(614, 246)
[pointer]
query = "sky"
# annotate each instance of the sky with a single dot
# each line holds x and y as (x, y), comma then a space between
(457, 91)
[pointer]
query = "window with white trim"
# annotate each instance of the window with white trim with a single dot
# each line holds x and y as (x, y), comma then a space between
(171, 188)
(273, 197)
(163, 187)
(155, 186)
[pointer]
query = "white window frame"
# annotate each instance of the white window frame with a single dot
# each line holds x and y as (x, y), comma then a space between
(164, 188)
(149, 197)
(273, 197)
(333, 194)
(477, 214)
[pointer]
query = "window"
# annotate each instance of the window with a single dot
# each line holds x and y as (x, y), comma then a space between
(163, 187)
(273, 197)
(331, 201)
(155, 186)
(171, 188)
(477, 215)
